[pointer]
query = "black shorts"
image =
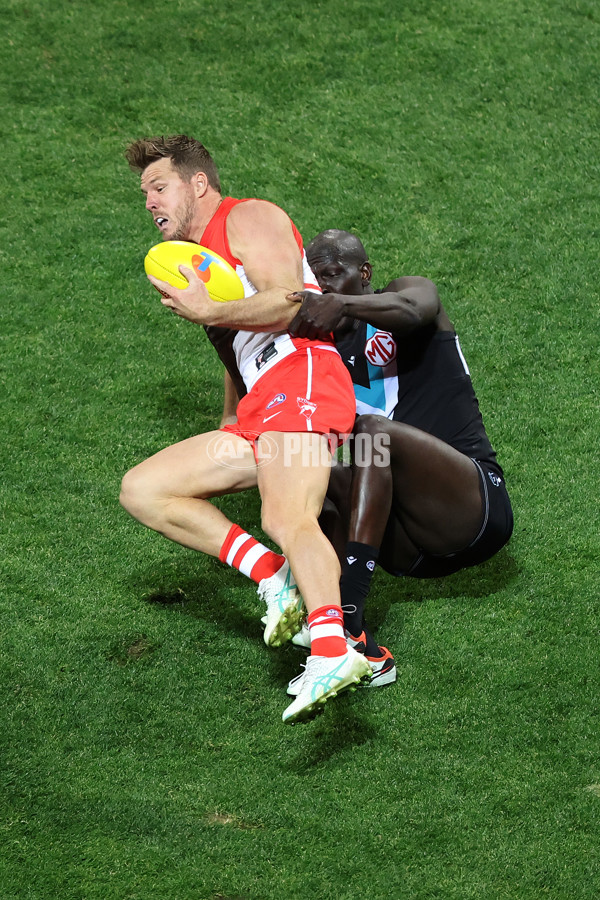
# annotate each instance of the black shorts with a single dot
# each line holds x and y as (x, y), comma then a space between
(496, 529)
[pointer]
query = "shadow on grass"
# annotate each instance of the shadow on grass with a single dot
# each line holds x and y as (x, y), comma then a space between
(227, 602)
(219, 597)
(344, 725)
(479, 581)
(470, 586)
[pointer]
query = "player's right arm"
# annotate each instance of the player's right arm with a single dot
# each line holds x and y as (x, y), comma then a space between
(261, 235)
(406, 305)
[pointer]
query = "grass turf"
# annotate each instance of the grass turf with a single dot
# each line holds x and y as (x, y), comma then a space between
(141, 745)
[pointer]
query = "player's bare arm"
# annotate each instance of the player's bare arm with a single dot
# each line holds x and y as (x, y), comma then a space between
(260, 235)
(406, 305)
(230, 402)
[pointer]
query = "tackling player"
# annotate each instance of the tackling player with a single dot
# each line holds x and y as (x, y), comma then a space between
(440, 503)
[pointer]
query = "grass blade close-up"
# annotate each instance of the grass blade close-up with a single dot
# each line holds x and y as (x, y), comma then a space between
(142, 751)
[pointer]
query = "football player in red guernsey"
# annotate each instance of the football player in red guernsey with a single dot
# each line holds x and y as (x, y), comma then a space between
(298, 402)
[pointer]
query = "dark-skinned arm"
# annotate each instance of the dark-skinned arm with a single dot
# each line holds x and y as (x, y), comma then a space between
(406, 305)
(230, 401)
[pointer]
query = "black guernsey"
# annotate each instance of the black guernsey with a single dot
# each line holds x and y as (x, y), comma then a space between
(422, 380)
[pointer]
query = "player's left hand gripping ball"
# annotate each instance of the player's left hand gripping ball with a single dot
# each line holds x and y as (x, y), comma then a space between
(221, 280)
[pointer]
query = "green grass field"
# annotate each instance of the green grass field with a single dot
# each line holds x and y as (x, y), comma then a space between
(141, 749)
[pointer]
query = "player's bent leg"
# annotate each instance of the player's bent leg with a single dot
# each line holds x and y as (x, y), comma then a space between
(372, 483)
(435, 489)
(292, 487)
(429, 493)
(335, 513)
(495, 532)
(290, 505)
(169, 491)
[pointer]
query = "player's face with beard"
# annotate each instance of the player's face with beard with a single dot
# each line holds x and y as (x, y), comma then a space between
(182, 220)
(169, 199)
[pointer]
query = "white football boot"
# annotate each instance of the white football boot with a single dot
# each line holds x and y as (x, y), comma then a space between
(384, 672)
(285, 608)
(325, 677)
(302, 639)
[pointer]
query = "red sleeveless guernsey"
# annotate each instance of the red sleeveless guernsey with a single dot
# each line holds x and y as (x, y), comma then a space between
(256, 353)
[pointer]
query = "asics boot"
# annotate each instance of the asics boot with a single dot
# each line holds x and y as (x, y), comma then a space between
(325, 677)
(285, 608)
(383, 668)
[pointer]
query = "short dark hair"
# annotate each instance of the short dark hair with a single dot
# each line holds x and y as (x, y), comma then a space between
(339, 245)
(187, 154)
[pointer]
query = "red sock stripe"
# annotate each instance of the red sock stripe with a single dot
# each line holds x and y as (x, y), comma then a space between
(266, 566)
(249, 556)
(248, 544)
(327, 614)
(234, 532)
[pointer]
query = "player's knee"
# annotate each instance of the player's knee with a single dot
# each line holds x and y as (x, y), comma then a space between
(371, 446)
(136, 494)
(282, 526)
(273, 523)
(369, 423)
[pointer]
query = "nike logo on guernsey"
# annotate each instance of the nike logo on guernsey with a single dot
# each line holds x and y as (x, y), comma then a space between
(351, 559)
(266, 419)
(351, 360)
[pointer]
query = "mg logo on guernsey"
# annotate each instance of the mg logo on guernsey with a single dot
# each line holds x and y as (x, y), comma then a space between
(381, 348)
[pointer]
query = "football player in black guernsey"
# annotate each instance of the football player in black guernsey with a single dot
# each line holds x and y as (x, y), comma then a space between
(425, 495)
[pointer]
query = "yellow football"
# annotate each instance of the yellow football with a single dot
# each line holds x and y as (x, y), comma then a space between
(221, 280)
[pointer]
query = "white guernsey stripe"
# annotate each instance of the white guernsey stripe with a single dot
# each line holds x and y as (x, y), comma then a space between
(460, 353)
(309, 376)
(309, 384)
(251, 558)
(247, 364)
(284, 346)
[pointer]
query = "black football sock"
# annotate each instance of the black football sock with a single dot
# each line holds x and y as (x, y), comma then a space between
(355, 583)
(372, 649)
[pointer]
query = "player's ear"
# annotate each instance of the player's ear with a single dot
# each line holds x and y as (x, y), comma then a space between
(366, 272)
(200, 183)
